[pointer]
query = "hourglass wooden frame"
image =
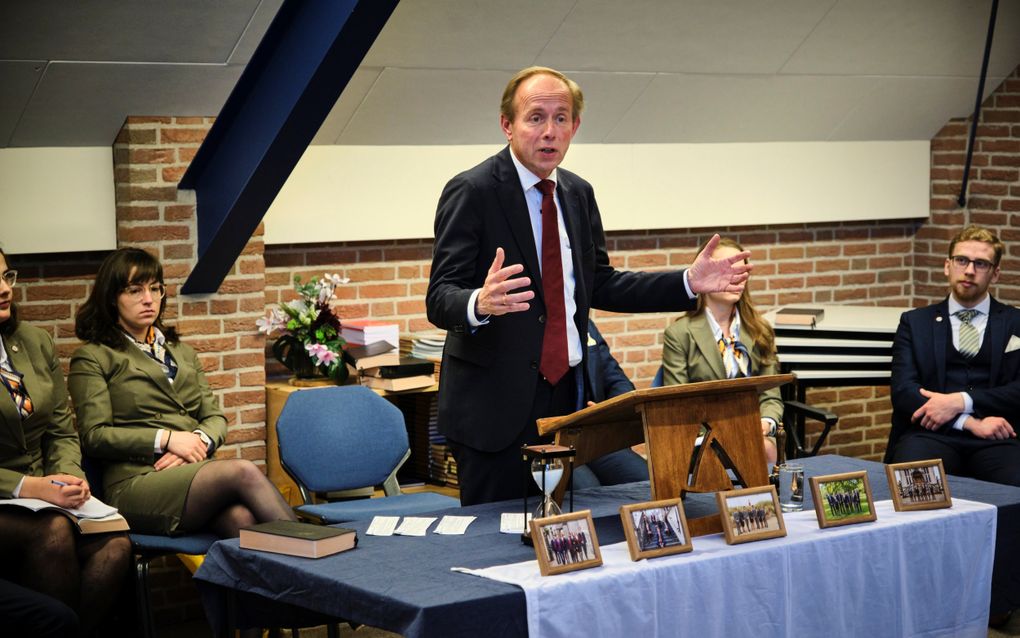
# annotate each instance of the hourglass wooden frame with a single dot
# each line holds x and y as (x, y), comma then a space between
(530, 453)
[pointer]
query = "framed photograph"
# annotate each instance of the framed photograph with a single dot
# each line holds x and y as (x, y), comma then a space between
(842, 499)
(918, 485)
(750, 514)
(655, 528)
(565, 543)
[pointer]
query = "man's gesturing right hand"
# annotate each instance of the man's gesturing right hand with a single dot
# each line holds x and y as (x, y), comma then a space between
(497, 296)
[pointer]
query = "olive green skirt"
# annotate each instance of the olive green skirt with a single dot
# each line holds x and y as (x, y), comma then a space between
(153, 502)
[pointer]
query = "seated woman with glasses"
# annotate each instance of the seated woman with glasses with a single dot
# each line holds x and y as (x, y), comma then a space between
(146, 412)
(725, 338)
(42, 552)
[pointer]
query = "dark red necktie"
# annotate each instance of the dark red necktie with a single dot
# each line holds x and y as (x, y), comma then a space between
(554, 362)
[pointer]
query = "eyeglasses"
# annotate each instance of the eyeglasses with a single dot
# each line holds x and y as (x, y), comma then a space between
(10, 277)
(135, 292)
(980, 265)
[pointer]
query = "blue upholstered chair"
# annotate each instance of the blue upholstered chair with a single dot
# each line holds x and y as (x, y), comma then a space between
(342, 438)
(147, 547)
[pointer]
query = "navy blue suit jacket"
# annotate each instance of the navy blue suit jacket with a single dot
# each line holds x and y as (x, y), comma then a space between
(919, 361)
(489, 375)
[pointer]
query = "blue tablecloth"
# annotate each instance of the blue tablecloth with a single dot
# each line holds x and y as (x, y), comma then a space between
(404, 584)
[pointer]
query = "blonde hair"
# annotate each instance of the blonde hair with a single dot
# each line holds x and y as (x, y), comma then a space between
(756, 331)
(978, 233)
(506, 106)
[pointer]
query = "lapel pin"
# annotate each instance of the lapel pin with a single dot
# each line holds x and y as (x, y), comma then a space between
(939, 318)
(14, 347)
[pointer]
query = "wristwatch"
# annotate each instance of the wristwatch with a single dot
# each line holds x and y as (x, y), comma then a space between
(205, 439)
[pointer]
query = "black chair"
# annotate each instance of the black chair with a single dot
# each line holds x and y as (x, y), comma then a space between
(146, 548)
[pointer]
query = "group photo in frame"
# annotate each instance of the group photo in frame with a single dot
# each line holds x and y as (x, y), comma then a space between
(655, 528)
(843, 499)
(565, 543)
(750, 514)
(918, 485)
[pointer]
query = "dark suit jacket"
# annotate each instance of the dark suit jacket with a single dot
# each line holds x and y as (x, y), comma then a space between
(919, 361)
(488, 378)
(605, 377)
(46, 442)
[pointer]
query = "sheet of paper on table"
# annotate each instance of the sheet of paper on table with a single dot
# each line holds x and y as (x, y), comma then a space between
(415, 525)
(382, 525)
(453, 524)
(512, 522)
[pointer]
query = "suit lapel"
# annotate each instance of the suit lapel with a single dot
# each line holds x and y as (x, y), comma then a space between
(995, 333)
(145, 364)
(941, 336)
(702, 334)
(20, 360)
(571, 218)
(515, 209)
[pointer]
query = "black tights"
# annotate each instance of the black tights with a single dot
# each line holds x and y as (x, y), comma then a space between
(229, 494)
(43, 552)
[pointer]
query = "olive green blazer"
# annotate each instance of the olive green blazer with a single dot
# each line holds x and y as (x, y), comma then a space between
(46, 442)
(690, 354)
(121, 397)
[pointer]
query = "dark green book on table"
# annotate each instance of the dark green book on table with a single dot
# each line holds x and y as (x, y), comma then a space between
(298, 539)
(408, 367)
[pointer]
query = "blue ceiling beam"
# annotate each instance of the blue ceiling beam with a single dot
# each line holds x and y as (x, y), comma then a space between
(304, 62)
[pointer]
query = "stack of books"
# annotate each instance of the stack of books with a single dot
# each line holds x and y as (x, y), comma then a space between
(429, 346)
(409, 373)
(360, 332)
(373, 355)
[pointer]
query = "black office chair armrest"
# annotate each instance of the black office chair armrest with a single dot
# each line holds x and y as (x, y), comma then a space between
(804, 411)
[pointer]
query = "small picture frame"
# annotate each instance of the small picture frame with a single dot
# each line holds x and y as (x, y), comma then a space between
(656, 528)
(842, 499)
(750, 514)
(918, 485)
(565, 543)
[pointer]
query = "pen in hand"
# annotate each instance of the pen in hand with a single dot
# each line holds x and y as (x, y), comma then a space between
(60, 483)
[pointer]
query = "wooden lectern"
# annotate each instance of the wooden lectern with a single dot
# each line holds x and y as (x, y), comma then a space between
(669, 420)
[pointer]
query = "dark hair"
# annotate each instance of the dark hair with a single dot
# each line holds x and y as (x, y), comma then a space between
(758, 331)
(8, 327)
(98, 320)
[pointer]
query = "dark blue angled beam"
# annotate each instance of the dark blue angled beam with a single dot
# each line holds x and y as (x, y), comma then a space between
(296, 74)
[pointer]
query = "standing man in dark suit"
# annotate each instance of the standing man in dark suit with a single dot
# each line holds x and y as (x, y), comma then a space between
(516, 333)
(956, 371)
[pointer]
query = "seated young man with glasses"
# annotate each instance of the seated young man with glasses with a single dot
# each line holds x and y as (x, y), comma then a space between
(956, 371)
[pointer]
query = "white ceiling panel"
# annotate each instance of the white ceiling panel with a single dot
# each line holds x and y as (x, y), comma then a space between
(608, 98)
(879, 113)
(72, 104)
(714, 108)
(688, 36)
(341, 113)
(123, 30)
(19, 80)
(910, 38)
(467, 34)
(429, 107)
(254, 31)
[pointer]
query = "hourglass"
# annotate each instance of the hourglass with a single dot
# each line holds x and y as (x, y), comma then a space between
(545, 465)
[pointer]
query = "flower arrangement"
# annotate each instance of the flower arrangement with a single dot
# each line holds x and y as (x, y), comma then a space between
(309, 342)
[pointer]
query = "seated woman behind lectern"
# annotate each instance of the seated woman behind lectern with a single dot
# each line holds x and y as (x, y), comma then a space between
(725, 338)
(146, 412)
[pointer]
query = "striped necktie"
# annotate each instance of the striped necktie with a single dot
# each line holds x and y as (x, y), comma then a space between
(970, 340)
(13, 381)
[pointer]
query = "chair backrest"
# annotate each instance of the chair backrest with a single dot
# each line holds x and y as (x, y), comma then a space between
(340, 438)
(659, 376)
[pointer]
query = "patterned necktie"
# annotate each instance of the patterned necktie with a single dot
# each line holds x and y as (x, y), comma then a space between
(735, 357)
(554, 363)
(970, 340)
(14, 384)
